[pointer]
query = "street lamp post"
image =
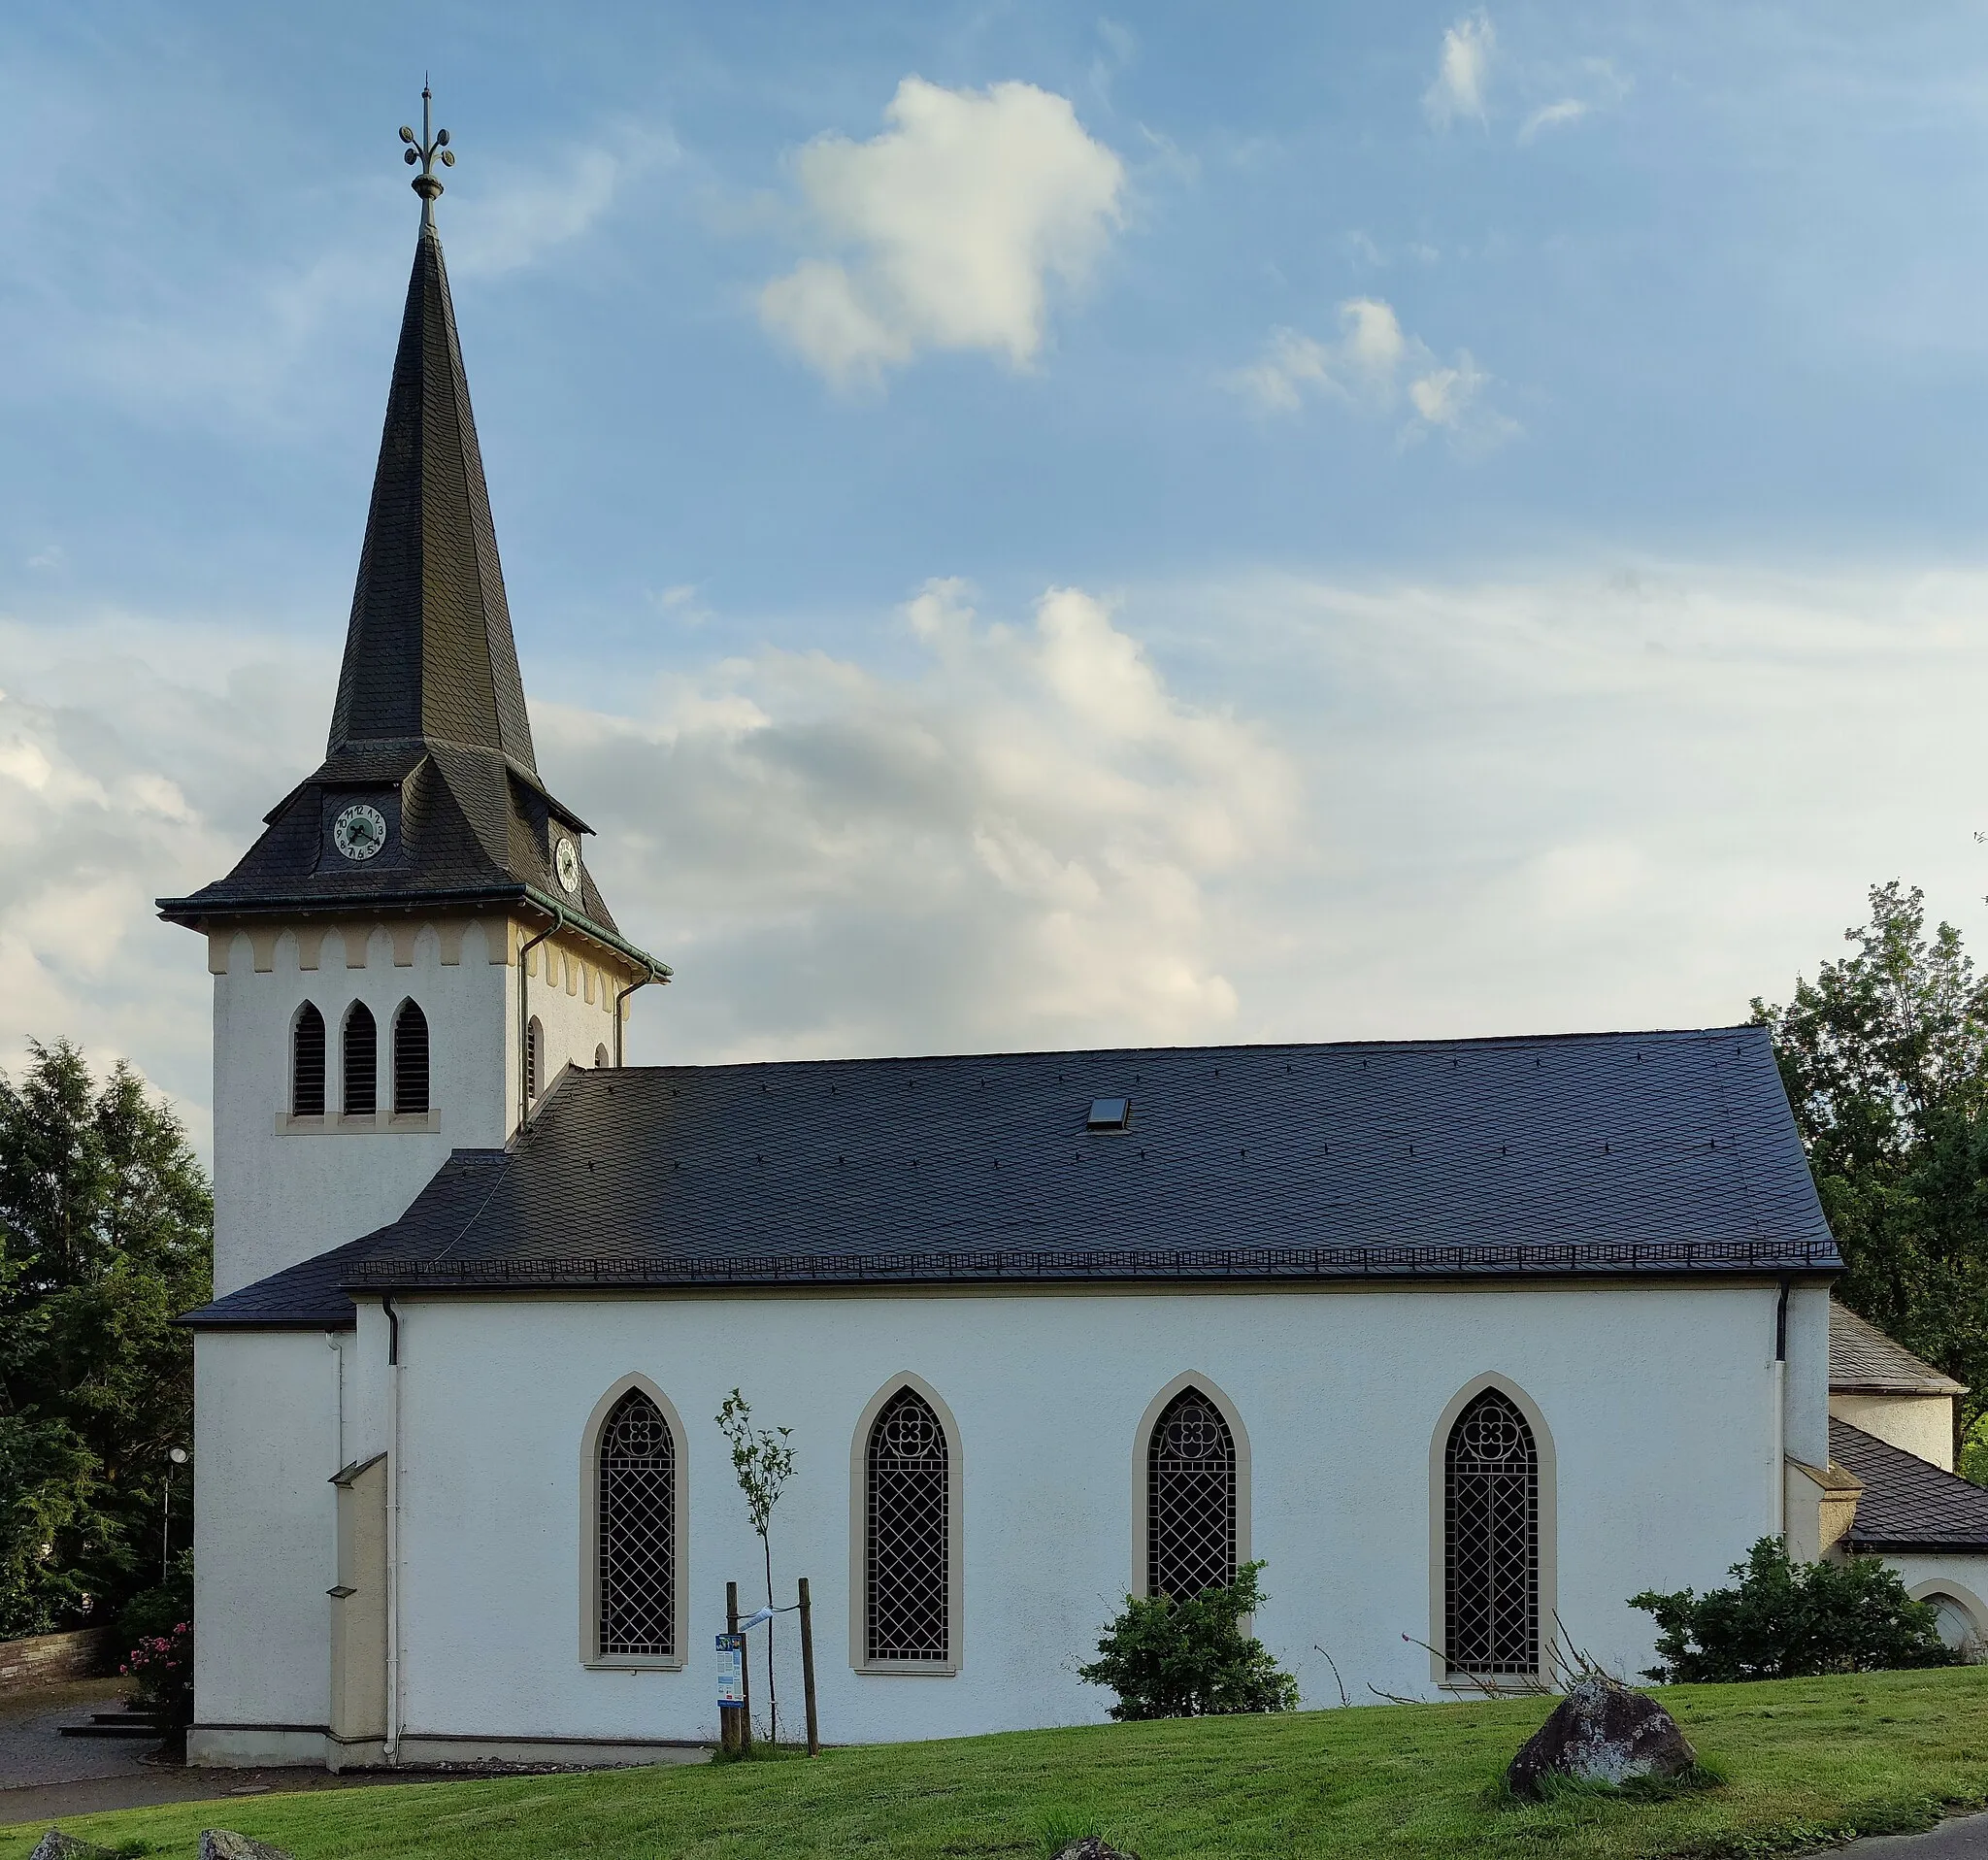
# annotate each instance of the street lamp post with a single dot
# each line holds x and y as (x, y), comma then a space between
(176, 1456)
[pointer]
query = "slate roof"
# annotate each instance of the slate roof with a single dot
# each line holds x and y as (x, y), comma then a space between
(1654, 1153)
(430, 725)
(1909, 1503)
(1864, 1361)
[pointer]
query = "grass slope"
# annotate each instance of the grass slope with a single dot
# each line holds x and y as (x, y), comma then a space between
(1807, 1762)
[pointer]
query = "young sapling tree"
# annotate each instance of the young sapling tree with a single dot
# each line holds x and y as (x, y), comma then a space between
(764, 1462)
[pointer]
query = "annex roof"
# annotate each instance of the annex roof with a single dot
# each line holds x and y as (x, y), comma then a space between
(1604, 1153)
(1907, 1504)
(1864, 1361)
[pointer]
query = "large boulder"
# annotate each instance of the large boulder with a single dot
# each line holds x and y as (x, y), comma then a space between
(1602, 1732)
(222, 1843)
(58, 1845)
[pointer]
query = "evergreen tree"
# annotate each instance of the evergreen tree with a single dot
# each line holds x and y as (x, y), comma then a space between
(106, 1234)
(1885, 1059)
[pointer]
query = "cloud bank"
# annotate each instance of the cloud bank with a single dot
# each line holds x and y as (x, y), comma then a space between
(1527, 804)
(1374, 366)
(946, 230)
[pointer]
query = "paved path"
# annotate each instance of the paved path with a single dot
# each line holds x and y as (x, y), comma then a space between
(1964, 1838)
(44, 1776)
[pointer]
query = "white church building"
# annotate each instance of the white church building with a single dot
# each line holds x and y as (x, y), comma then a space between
(1467, 1340)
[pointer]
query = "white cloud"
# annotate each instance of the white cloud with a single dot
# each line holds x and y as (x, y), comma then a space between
(1026, 842)
(1552, 115)
(1372, 366)
(946, 230)
(1462, 72)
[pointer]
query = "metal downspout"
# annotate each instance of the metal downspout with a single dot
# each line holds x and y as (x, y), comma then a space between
(1781, 1467)
(654, 974)
(390, 1754)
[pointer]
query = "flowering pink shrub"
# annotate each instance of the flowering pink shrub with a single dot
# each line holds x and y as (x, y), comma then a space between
(160, 1668)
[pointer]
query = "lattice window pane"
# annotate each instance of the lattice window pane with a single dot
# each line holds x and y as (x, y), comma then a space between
(361, 1063)
(410, 1062)
(1191, 1522)
(908, 1574)
(1491, 1576)
(307, 1065)
(638, 1530)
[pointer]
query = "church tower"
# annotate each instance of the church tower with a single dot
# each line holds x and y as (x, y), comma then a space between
(415, 948)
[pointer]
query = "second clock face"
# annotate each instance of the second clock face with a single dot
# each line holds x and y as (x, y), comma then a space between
(360, 832)
(566, 862)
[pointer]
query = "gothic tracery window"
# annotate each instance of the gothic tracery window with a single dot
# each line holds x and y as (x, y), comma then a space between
(410, 1061)
(1491, 1537)
(307, 1064)
(636, 1487)
(361, 1058)
(1190, 1523)
(908, 1534)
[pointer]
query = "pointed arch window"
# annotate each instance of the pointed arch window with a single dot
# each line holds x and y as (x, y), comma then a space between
(534, 1057)
(635, 1531)
(361, 1057)
(1491, 1540)
(306, 1063)
(1190, 1486)
(410, 1061)
(600, 1059)
(908, 1535)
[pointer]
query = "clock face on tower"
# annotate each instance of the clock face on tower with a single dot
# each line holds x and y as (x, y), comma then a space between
(566, 862)
(360, 832)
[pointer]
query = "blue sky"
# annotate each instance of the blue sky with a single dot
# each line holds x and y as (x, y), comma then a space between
(1025, 526)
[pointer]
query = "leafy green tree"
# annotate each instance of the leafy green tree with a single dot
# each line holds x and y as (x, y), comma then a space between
(1169, 1659)
(1787, 1620)
(1885, 1059)
(106, 1234)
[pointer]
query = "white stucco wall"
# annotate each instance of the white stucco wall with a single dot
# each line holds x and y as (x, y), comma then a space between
(284, 1192)
(1917, 1424)
(266, 1440)
(1659, 1400)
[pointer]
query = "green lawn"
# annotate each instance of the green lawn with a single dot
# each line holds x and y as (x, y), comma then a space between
(1806, 1761)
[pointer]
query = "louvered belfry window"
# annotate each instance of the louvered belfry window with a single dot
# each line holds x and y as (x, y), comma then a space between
(907, 1537)
(1491, 1573)
(307, 1064)
(361, 1062)
(534, 1042)
(638, 1530)
(410, 1061)
(1190, 1503)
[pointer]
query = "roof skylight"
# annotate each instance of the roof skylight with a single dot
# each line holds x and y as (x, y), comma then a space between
(1110, 1114)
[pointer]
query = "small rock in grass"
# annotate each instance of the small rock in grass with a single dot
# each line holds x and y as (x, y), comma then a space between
(58, 1845)
(1090, 1847)
(1602, 1732)
(222, 1843)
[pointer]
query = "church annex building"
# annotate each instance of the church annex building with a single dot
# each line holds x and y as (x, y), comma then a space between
(1468, 1339)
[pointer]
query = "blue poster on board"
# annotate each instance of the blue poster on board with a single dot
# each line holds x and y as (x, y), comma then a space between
(731, 1668)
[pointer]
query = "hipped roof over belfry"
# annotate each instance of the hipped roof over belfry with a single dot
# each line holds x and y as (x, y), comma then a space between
(429, 651)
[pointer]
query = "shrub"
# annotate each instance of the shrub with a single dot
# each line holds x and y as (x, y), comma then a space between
(1169, 1659)
(1786, 1620)
(160, 1668)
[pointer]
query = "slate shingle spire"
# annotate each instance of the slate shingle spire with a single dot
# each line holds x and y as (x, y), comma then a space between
(429, 651)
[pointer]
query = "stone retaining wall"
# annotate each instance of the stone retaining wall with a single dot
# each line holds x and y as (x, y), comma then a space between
(48, 1659)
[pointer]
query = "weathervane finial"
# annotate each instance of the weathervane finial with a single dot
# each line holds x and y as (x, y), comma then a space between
(425, 149)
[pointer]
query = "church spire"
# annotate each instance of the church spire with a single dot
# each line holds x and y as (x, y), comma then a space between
(429, 654)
